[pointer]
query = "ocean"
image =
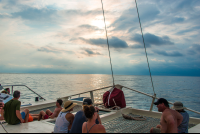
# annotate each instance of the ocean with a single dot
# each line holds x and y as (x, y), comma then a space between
(52, 86)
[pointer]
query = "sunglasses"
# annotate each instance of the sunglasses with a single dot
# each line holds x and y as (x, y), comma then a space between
(97, 111)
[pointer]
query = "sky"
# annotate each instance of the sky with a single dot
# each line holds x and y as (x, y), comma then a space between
(68, 37)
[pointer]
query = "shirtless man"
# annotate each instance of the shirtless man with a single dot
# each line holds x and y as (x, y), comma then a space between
(170, 119)
(48, 114)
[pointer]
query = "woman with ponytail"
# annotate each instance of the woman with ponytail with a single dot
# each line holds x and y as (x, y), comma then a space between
(90, 126)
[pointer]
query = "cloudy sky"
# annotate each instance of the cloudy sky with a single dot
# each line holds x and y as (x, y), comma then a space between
(68, 36)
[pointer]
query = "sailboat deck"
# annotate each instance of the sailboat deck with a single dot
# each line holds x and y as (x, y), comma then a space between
(121, 125)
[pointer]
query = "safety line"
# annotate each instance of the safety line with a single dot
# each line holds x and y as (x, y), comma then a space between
(4, 127)
(145, 47)
(107, 42)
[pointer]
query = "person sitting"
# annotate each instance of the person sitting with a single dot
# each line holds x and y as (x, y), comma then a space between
(48, 114)
(80, 118)
(90, 126)
(65, 118)
(6, 91)
(11, 111)
(170, 119)
(183, 127)
(1, 108)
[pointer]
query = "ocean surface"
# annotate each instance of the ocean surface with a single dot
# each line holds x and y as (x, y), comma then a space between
(52, 86)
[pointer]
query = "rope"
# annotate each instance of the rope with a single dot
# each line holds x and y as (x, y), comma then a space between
(3, 127)
(107, 42)
(144, 46)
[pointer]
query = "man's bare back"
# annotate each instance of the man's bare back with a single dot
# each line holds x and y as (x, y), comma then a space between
(56, 112)
(170, 120)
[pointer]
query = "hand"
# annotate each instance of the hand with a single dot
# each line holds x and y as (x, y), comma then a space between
(22, 120)
(97, 109)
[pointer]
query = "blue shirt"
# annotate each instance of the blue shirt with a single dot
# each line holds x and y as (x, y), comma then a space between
(79, 119)
(183, 127)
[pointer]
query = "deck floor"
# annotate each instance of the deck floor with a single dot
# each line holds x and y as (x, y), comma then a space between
(121, 125)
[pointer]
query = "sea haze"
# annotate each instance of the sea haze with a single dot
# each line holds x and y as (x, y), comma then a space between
(52, 86)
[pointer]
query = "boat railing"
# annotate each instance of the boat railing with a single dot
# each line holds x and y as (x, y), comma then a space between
(12, 89)
(92, 95)
(152, 96)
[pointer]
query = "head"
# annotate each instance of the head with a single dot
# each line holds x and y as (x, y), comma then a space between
(178, 106)
(90, 112)
(162, 104)
(68, 106)
(16, 94)
(87, 101)
(59, 102)
(7, 90)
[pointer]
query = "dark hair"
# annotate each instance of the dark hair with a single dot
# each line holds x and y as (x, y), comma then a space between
(162, 100)
(6, 89)
(16, 94)
(89, 111)
(60, 101)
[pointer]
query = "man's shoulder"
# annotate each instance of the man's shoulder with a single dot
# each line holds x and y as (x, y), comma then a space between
(13, 102)
(69, 115)
(80, 112)
(80, 115)
(168, 112)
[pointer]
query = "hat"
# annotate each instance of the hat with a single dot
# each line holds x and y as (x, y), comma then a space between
(68, 105)
(87, 101)
(178, 106)
(119, 86)
(160, 101)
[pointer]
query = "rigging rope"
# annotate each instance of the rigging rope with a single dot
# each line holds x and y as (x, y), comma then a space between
(107, 42)
(145, 47)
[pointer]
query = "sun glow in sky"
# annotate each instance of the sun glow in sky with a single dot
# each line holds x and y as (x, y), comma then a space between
(65, 36)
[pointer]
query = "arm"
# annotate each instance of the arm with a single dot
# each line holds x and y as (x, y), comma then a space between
(55, 113)
(70, 118)
(98, 115)
(99, 119)
(2, 114)
(18, 114)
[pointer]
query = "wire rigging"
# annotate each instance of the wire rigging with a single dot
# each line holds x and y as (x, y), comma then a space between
(107, 42)
(144, 47)
(4, 127)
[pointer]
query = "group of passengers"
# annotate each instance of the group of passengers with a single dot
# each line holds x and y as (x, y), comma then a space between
(87, 120)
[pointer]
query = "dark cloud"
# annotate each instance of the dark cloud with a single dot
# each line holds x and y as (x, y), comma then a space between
(139, 46)
(49, 49)
(191, 29)
(194, 49)
(191, 52)
(114, 42)
(176, 20)
(91, 52)
(82, 12)
(8, 4)
(151, 39)
(171, 54)
(129, 18)
(35, 14)
(89, 27)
